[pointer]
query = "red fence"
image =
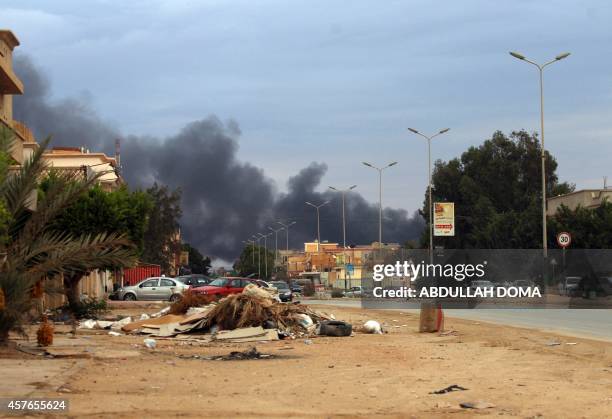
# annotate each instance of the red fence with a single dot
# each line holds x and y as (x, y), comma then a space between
(136, 274)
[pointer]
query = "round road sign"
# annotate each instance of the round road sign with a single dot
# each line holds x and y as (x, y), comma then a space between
(564, 239)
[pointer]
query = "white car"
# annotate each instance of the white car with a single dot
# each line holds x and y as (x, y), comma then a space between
(156, 288)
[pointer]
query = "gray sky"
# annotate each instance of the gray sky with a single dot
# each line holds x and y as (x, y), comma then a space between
(336, 81)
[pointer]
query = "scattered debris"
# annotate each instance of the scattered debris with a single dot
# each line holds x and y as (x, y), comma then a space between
(477, 405)
(307, 342)
(335, 328)
(246, 334)
(448, 333)
(553, 343)
(431, 318)
(571, 343)
(449, 389)
(150, 343)
(372, 326)
(113, 333)
(252, 353)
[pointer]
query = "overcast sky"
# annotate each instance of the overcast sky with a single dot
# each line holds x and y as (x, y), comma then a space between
(336, 81)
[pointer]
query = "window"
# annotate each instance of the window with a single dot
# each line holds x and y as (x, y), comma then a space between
(167, 283)
(245, 282)
(150, 283)
(235, 283)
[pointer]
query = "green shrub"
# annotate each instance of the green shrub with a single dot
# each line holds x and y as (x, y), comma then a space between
(88, 308)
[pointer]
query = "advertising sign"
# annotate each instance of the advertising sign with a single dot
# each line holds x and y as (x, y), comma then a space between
(444, 218)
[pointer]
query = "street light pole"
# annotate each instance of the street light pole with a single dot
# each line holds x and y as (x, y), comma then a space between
(259, 254)
(265, 237)
(343, 193)
(429, 138)
(276, 243)
(380, 170)
(541, 71)
(317, 207)
(286, 226)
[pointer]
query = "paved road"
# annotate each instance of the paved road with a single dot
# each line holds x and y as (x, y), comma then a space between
(594, 324)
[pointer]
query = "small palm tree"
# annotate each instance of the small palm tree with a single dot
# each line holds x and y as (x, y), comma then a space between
(32, 251)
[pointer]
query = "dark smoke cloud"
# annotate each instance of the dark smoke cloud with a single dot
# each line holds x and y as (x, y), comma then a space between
(224, 200)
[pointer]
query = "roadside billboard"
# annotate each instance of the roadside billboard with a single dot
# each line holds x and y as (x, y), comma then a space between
(444, 218)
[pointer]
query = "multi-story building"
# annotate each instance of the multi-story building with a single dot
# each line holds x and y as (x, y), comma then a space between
(586, 198)
(90, 164)
(10, 85)
(332, 265)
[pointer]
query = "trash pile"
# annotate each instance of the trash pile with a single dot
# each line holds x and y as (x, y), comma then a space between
(254, 315)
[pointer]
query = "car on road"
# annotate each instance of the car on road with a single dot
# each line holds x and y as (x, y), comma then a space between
(194, 280)
(284, 292)
(222, 287)
(570, 286)
(354, 292)
(155, 288)
(296, 288)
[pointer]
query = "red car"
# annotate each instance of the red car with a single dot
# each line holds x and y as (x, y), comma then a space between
(222, 287)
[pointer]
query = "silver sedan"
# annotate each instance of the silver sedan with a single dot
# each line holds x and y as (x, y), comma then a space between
(158, 288)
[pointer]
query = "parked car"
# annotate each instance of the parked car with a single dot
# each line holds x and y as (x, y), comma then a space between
(284, 292)
(157, 288)
(354, 292)
(570, 286)
(195, 280)
(222, 287)
(296, 288)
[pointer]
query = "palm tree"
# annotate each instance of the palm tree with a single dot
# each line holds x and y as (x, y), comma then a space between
(32, 250)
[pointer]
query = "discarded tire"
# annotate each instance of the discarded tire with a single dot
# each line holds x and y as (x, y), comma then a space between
(335, 328)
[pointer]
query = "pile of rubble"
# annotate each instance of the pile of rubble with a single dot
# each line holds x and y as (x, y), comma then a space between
(253, 315)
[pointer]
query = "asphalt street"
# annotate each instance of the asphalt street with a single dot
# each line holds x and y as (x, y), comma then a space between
(594, 324)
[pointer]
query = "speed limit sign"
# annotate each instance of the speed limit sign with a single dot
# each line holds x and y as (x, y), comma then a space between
(564, 239)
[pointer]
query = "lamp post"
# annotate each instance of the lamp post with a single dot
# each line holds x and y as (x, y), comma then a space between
(541, 71)
(286, 226)
(343, 193)
(265, 237)
(429, 138)
(380, 170)
(259, 237)
(317, 207)
(276, 243)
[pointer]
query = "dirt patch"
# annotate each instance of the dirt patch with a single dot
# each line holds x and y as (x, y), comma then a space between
(389, 375)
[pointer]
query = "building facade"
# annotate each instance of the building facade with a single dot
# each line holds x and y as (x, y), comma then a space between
(586, 198)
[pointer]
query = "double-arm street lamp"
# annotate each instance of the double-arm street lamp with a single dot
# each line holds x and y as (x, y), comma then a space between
(380, 170)
(343, 193)
(258, 238)
(317, 207)
(276, 242)
(429, 138)
(286, 227)
(541, 71)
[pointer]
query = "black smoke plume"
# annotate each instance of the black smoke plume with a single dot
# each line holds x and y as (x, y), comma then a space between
(224, 200)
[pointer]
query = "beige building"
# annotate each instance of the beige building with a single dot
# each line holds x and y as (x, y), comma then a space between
(586, 198)
(90, 164)
(10, 85)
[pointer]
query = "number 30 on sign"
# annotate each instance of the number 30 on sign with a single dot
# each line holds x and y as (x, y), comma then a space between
(564, 239)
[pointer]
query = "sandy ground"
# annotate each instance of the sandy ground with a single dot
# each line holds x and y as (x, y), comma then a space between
(390, 375)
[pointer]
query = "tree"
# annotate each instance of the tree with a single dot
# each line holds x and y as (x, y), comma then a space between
(161, 239)
(496, 188)
(252, 259)
(33, 249)
(590, 228)
(198, 264)
(96, 212)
